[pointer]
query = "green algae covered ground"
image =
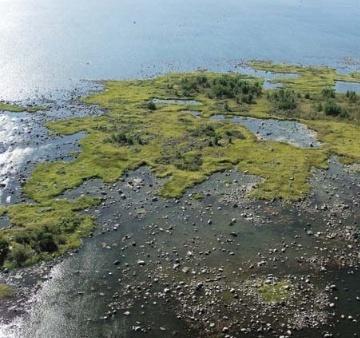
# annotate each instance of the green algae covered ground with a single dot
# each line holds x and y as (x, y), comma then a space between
(14, 108)
(182, 148)
(6, 291)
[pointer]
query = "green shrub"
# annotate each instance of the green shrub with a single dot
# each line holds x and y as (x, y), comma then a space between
(194, 85)
(231, 87)
(283, 99)
(333, 109)
(19, 254)
(328, 93)
(204, 130)
(228, 86)
(22, 237)
(4, 250)
(151, 105)
(47, 242)
(127, 139)
(351, 95)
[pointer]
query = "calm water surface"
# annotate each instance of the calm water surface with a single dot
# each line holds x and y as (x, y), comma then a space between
(47, 44)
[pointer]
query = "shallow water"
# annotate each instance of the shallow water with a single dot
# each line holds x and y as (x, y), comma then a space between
(182, 102)
(343, 87)
(25, 141)
(47, 45)
(291, 132)
(75, 301)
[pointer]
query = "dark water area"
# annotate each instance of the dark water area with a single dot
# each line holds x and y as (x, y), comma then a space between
(48, 45)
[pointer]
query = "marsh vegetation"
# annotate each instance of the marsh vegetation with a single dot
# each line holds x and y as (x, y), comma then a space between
(182, 149)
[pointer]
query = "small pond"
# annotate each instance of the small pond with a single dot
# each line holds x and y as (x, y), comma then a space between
(185, 102)
(343, 87)
(291, 132)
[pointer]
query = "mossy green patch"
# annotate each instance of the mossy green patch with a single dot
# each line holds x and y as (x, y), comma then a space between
(275, 292)
(6, 291)
(341, 138)
(309, 79)
(181, 148)
(14, 108)
(177, 146)
(42, 231)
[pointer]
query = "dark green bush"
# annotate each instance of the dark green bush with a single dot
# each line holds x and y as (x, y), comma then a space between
(333, 109)
(23, 237)
(351, 95)
(193, 85)
(231, 87)
(20, 254)
(189, 162)
(127, 139)
(222, 87)
(151, 105)
(328, 93)
(47, 242)
(283, 99)
(4, 250)
(204, 130)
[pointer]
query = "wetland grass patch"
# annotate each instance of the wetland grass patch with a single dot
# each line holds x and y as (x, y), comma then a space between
(182, 149)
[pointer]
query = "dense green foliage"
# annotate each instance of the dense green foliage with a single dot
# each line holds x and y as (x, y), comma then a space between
(283, 99)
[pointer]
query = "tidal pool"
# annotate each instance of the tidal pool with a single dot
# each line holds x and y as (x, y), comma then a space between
(291, 132)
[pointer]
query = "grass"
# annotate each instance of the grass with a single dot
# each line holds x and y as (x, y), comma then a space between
(187, 150)
(43, 231)
(180, 148)
(275, 292)
(14, 108)
(6, 291)
(309, 79)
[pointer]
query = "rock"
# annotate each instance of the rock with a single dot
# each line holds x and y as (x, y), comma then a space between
(233, 221)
